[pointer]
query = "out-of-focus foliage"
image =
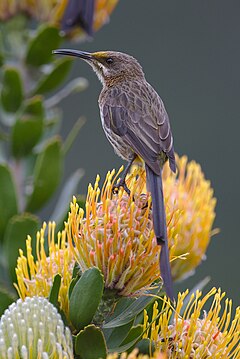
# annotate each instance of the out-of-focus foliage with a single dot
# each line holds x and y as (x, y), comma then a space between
(32, 153)
(76, 18)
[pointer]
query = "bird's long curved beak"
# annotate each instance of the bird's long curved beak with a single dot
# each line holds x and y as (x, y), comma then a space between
(82, 54)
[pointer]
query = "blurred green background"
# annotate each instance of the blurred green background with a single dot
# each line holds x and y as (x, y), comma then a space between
(190, 52)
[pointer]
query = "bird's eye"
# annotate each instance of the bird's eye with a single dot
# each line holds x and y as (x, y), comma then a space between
(109, 60)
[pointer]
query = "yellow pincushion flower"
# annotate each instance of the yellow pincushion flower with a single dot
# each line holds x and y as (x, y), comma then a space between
(192, 194)
(193, 331)
(35, 278)
(52, 11)
(116, 235)
(135, 355)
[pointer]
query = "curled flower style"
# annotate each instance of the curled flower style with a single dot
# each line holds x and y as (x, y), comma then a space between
(189, 331)
(192, 194)
(33, 329)
(35, 278)
(116, 235)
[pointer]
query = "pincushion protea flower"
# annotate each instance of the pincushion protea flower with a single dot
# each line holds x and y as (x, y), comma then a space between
(192, 194)
(135, 355)
(53, 12)
(117, 234)
(196, 333)
(33, 329)
(35, 278)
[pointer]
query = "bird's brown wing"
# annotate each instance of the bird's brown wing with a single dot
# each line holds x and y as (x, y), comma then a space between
(141, 120)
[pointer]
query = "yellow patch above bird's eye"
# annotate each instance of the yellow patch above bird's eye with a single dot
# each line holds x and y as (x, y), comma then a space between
(100, 55)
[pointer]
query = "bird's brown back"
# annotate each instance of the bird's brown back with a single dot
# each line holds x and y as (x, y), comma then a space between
(134, 113)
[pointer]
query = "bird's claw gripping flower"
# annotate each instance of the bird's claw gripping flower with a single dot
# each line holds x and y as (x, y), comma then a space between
(105, 235)
(116, 235)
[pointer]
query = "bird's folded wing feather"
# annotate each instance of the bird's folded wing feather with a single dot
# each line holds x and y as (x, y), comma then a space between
(142, 123)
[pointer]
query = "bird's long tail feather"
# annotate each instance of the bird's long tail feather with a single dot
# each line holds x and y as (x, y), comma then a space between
(154, 184)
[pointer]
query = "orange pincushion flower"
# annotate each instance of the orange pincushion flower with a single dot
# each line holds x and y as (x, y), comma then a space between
(188, 331)
(52, 11)
(192, 194)
(117, 234)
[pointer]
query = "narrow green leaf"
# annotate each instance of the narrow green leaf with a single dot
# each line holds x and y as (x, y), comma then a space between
(46, 175)
(40, 49)
(135, 308)
(145, 346)
(85, 298)
(53, 79)
(69, 189)
(90, 343)
(18, 228)
(115, 336)
(12, 89)
(77, 273)
(8, 197)
(134, 333)
(124, 347)
(73, 135)
(53, 296)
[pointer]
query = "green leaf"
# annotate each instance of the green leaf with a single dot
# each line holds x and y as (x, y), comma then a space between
(34, 107)
(77, 273)
(53, 79)
(46, 175)
(62, 205)
(130, 340)
(134, 333)
(90, 343)
(133, 309)
(73, 135)
(8, 197)
(28, 129)
(85, 298)
(53, 296)
(145, 346)
(40, 49)
(12, 89)
(5, 300)
(115, 336)
(18, 228)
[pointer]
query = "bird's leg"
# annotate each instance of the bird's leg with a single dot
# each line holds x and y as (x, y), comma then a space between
(122, 181)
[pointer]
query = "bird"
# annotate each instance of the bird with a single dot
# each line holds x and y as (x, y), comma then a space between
(137, 125)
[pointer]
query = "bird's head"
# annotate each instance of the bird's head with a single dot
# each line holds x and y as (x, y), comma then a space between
(110, 66)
